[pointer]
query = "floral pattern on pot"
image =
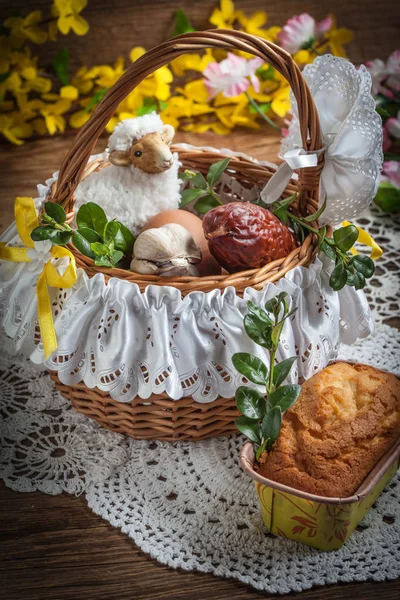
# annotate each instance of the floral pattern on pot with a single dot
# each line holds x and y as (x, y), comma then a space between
(318, 524)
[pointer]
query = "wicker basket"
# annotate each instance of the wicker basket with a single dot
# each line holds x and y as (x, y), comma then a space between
(160, 417)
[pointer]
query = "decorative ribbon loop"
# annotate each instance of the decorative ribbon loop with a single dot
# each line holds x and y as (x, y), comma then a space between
(26, 221)
(294, 159)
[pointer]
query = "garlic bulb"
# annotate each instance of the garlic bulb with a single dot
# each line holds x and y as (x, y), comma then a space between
(169, 251)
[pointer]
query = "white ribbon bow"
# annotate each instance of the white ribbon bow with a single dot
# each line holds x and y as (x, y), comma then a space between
(298, 158)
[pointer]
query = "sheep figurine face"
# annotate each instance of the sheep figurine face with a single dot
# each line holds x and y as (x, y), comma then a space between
(151, 153)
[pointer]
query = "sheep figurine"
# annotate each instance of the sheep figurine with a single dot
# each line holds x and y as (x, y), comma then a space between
(142, 179)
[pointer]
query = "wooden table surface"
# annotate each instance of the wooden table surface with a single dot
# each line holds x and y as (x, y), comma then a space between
(54, 547)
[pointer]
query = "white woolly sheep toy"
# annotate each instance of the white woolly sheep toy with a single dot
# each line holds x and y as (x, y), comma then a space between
(142, 179)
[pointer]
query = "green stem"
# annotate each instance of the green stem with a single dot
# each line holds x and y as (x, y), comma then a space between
(261, 113)
(212, 193)
(271, 369)
(303, 223)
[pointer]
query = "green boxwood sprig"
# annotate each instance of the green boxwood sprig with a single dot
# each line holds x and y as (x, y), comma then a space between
(348, 270)
(202, 188)
(261, 418)
(106, 242)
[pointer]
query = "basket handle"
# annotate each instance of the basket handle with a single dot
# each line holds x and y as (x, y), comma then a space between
(75, 161)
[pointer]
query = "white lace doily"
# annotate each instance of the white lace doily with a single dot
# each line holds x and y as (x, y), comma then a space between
(188, 504)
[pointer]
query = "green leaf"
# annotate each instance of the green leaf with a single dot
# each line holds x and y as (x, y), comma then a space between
(285, 396)
(357, 280)
(382, 112)
(205, 204)
(257, 330)
(216, 170)
(271, 305)
(282, 370)
(89, 234)
(82, 243)
(345, 237)
(250, 402)
(60, 65)
(91, 215)
(276, 333)
(199, 181)
(95, 99)
(124, 240)
(116, 256)
(264, 107)
(250, 428)
(298, 231)
(55, 211)
(61, 238)
(258, 312)
(388, 196)
(328, 250)
(103, 261)
(251, 367)
(363, 264)
(190, 194)
(338, 277)
(266, 73)
(41, 233)
(110, 231)
(272, 423)
(151, 105)
(182, 23)
(99, 249)
(316, 215)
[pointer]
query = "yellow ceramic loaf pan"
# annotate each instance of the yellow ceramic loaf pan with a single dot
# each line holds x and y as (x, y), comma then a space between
(325, 523)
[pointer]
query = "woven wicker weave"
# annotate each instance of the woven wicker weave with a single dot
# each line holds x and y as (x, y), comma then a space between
(160, 417)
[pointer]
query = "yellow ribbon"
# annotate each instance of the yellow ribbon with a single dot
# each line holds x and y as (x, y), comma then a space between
(367, 240)
(26, 221)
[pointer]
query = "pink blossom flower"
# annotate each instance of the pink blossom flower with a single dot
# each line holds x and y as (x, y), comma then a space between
(393, 126)
(301, 31)
(391, 172)
(391, 131)
(230, 76)
(385, 76)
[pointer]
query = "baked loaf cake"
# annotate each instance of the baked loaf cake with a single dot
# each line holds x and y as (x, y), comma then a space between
(346, 418)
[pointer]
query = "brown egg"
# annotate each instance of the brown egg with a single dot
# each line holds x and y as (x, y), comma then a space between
(194, 226)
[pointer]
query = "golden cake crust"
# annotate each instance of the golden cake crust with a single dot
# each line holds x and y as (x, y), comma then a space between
(346, 418)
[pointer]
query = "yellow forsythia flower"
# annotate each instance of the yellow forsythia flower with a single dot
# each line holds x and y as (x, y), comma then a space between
(69, 18)
(5, 54)
(281, 101)
(224, 16)
(52, 115)
(14, 128)
(337, 37)
(22, 28)
(12, 84)
(254, 24)
(191, 62)
(70, 92)
(83, 84)
(78, 119)
(105, 75)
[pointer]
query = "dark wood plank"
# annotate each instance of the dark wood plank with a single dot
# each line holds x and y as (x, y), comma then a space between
(56, 548)
(115, 30)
